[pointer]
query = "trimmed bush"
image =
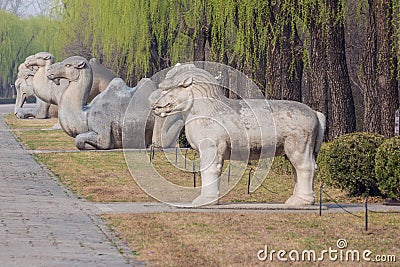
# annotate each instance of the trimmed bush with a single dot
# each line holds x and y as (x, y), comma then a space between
(282, 166)
(387, 167)
(324, 163)
(348, 163)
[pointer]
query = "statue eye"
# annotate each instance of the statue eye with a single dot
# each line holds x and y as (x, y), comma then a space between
(68, 65)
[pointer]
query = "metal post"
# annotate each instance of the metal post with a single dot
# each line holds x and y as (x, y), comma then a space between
(151, 153)
(186, 157)
(176, 156)
(320, 200)
(366, 213)
(397, 123)
(229, 172)
(194, 173)
(248, 184)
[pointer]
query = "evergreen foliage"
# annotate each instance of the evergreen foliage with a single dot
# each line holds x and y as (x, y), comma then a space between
(348, 163)
(387, 167)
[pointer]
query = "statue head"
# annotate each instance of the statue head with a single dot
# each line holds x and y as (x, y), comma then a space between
(69, 69)
(182, 85)
(23, 85)
(40, 59)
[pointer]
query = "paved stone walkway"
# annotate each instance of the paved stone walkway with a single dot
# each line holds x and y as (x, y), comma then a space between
(41, 222)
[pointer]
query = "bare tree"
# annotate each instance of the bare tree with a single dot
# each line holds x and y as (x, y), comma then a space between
(42, 7)
(23, 8)
(17, 7)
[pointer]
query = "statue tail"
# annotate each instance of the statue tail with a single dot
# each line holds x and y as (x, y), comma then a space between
(321, 130)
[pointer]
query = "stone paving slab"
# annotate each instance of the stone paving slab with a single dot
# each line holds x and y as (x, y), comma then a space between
(151, 207)
(41, 222)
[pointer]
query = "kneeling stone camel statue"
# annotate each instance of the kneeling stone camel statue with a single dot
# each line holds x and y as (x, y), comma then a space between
(100, 124)
(221, 128)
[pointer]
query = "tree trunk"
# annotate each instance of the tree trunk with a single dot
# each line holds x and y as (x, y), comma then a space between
(342, 112)
(386, 69)
(379, 71)
(318, 90)
(371, 117)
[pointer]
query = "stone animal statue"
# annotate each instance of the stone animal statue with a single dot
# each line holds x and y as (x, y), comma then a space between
(100, 124)
(221, 128)
(51, 92)
(24, 88)
(43, 88)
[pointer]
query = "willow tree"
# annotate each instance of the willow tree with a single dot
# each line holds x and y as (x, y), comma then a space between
(19, 38)
(136, 38)
(116, 32)
(285, 52)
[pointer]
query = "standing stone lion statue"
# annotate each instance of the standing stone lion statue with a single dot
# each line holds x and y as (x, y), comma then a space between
(221, 129)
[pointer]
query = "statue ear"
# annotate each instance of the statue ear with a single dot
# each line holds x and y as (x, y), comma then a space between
(186, 82)
(80, 65)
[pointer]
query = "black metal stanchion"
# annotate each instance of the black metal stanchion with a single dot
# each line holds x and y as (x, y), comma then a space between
(248, 182)
(194, 174)
(366, 212)
(229, 172)
(176, 156)
(320, 200)
(151, 157)
(194, 170)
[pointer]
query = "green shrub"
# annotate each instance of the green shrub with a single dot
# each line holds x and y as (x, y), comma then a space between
(323, 162)
(387, 167)
(282, 166)
(348, 163)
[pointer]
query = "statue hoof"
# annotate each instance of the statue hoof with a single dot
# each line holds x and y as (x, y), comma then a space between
(202, 201)
(300, 201)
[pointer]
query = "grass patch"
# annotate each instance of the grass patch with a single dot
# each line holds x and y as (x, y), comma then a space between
(34, 134)
(46, 140)
(96, 176)
(15, 123)
(233, 239)
(104, 177)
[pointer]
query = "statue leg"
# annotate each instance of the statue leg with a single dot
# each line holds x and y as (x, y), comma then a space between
(95, 140)
(166, 131)
(42, 109)
(24, 113)
(86, 141)
(303, 160)
(211, 162)
(172, 133)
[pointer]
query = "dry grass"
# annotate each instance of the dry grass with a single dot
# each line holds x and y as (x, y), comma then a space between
(46, 140)
(96, 176)
(35, 134)
(104, 177)
(15, 123)
(233, 239)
